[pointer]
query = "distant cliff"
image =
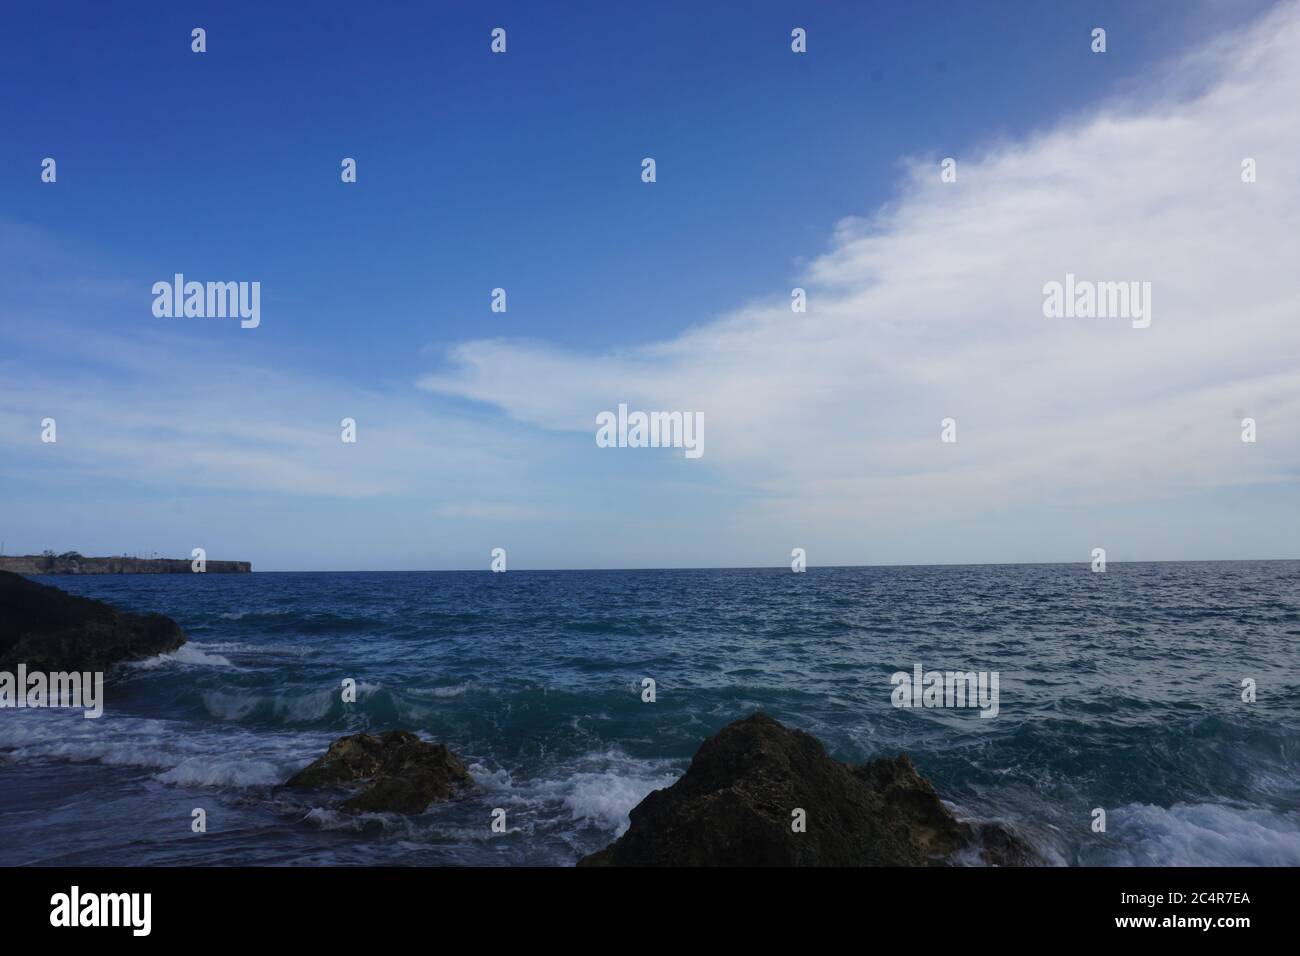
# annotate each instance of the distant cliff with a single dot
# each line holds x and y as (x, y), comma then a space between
(73, 563)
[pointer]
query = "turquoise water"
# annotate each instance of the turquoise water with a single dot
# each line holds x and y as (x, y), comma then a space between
(1118, 690)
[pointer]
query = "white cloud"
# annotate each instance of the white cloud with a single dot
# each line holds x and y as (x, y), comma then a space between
(823, 428)
(182, 411)
(932, 308)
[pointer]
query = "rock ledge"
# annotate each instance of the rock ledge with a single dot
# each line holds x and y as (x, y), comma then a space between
(405, 774)
(734, 807)
(50, 630)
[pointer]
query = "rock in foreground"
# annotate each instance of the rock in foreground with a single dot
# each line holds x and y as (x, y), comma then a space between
(50, 630)
(404, 773)
(734, 806)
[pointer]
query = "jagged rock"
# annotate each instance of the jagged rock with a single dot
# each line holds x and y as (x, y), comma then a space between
(912, 800)
(404, 773)
(50, 630)
(734, 806)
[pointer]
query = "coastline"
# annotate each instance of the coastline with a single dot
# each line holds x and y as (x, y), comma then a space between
(73, 563)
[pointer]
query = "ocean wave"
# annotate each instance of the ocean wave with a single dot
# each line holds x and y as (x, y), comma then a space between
(216, 771)
(25, 742)
(571, 809)
(606, 799)
(1202, 834)
(309, 707)
(598, 789)
(191, 655)
(494, 779)
(179, 753)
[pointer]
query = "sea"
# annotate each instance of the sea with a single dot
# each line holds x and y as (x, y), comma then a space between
(1165, 694)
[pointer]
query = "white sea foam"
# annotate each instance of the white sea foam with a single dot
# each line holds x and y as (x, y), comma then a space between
(606, 799)
(1202, 834)
(304, 706)
(328, 819)
(180, 754)
(498, 779)
(192, 655)
(597, 789)
(214, 771)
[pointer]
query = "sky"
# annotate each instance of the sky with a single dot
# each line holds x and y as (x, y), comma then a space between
(774, 170)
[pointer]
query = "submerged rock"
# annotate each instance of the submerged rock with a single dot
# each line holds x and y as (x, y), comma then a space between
(735, 806)
(50, 630)
(405, 774)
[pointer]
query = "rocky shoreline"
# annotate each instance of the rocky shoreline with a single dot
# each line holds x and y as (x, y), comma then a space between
(50, 630)
(757, 793)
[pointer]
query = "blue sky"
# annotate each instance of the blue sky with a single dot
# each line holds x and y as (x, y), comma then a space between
(522, 171)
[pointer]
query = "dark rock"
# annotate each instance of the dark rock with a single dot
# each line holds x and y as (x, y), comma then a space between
(51, 630)
(404, 773)
(998, 845)
(734, 805)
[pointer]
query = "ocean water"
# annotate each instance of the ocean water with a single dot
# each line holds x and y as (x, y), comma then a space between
(1119, 690)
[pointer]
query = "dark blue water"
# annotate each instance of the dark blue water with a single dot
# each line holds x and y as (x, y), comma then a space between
(1118, 690)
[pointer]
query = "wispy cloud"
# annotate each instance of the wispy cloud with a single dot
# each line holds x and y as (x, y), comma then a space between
(823, 427)
(931, 308)
(181, 410)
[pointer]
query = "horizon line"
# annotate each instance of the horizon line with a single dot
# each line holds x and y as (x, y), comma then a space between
(769, 567)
